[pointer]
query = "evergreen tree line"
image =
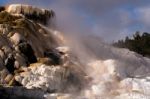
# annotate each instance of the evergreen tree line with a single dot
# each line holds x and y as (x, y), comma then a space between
(139, 43)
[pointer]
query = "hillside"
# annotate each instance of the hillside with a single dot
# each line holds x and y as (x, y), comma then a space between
(138, 43)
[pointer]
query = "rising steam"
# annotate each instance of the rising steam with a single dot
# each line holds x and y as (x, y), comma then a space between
(107, 68)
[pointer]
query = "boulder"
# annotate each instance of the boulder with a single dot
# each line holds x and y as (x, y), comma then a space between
(48, 78)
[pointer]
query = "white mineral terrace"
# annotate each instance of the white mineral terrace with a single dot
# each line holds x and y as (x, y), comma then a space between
(18, 8)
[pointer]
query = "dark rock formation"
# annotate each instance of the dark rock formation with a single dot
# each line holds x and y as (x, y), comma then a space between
(54, 56)
(9, 63)
(20, 93)
(27, 50)
(2, 8)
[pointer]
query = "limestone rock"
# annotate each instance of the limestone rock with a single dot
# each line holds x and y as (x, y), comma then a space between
(3, 74)
(8, 78)
(7, 49)
(21, 59)
(58, 96)
(16, 38)
(33, 13)
(63, 49)
(46, 61)
(43, 77)
(2, 54)
(16, 64)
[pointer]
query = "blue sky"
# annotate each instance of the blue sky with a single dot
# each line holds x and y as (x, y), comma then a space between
(2, 2)
(109, 19)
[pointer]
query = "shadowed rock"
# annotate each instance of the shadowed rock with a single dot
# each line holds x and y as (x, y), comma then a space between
(27, 50)
(54, 56)
(9, 63)
(20, 93)
(2, 8)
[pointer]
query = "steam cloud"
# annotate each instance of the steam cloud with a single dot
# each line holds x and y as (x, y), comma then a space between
(111, 20)
(80, 20)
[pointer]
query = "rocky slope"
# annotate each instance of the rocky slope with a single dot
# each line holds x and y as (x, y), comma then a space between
(39, 62)
(31, 54)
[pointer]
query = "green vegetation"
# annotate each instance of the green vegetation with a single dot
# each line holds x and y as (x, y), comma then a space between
(138, 43)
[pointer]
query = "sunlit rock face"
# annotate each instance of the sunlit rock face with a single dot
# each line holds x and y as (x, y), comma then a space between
(48, 78)
(23, 40)
(65, 76)
(30, 12)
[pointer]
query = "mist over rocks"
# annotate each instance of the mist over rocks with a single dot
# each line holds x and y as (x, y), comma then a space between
(23, 41)
(34, 57)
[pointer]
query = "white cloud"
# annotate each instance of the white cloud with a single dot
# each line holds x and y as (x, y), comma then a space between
(144, 15)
